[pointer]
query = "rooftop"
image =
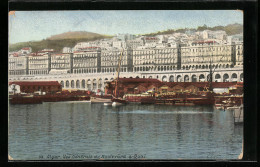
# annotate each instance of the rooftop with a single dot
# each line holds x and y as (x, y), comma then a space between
(145, 81)
(36, 83)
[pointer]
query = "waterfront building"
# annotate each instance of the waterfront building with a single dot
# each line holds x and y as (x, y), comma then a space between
(200, 56)
(61, 63)
(141, 59)
(91, 67)
(17, 65)
(39, 64)
(155, 59)
(87, 61)
(239, 51)
(31, 87)
(109, 60)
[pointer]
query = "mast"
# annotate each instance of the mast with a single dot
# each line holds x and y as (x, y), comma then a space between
(210, 74)
(118, 72)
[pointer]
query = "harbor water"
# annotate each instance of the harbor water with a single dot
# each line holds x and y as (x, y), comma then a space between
(85, 131)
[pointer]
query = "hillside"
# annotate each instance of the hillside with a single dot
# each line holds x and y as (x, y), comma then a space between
(75, 35)
(230, 29)
(70, 39)
(57, 42)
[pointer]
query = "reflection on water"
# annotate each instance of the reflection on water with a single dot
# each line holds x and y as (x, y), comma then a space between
(154, 131)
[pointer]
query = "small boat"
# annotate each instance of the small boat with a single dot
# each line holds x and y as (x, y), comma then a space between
(118, 101)
(116, 104)
(99, 100)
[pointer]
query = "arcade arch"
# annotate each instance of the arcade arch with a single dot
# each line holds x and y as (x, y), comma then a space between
(72, 84)
(241, 77)
(186, 78)
(179, 79)
(67, 84)
(62, 84)
(77, 84)
(202, 78)
(217, 78)
(171, 79)
(234, 77)
(83, 83)
(194, 78)
(225, 78)
(164, 78)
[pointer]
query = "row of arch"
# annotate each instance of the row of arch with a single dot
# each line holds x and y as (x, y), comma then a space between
(167, 68)
(84, 84)
(135, 69)
(95, 84)
(152, 68)
(208, 66)
(202, 78)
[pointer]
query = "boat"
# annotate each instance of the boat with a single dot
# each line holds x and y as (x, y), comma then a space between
(25, 100)
(117, 104)
(117, 100)
(39, 99)
(94, 100)
(83, 101)
(148, 100)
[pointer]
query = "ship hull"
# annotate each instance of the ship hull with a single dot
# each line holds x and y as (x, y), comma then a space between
(117, 102)
(46, 98)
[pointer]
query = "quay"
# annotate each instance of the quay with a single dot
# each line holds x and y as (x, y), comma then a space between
(97, 81)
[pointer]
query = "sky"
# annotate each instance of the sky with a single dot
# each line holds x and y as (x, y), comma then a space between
(37, 25)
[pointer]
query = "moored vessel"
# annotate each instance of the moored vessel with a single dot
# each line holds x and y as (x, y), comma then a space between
(116, 99)
(38, 99)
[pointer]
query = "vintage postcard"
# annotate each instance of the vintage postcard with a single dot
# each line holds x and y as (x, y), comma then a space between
(125, 85)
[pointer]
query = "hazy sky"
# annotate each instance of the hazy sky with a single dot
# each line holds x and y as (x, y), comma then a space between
(38, 25)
